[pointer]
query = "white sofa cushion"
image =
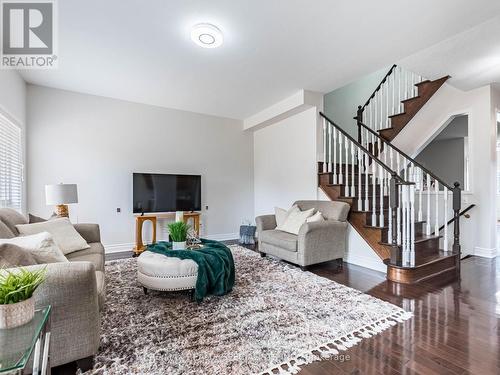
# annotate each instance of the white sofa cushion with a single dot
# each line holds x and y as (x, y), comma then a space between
(65, 235)
(41, 245)
(318, 216)
(295, 219)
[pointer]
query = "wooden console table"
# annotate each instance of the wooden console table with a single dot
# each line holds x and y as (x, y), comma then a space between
(140, 220)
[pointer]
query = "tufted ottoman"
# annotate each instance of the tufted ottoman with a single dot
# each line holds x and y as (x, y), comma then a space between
(159, 272)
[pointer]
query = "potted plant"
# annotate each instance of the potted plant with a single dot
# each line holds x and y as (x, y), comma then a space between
(178, 234)
(17, 305)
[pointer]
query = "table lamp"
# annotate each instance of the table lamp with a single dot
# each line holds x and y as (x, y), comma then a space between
(61, 195)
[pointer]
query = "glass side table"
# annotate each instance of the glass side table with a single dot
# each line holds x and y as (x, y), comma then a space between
(18, 344)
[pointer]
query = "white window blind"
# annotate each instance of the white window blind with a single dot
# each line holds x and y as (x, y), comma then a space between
(11, 164)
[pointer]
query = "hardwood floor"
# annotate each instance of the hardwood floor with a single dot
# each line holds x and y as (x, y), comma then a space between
(455, 328)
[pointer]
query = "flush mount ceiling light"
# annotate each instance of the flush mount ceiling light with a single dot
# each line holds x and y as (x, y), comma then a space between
(206, 35)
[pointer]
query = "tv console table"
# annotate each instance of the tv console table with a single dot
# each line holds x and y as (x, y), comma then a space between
(140, 220)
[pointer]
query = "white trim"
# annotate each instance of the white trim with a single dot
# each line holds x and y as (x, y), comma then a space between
(117, 248)
(367, 262)
(485, 252)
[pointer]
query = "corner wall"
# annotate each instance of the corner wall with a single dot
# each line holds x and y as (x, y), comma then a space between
(285, 162)
(98, 143)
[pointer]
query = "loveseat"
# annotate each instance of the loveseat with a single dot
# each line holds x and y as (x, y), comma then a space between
(76, 291)
(316, 242)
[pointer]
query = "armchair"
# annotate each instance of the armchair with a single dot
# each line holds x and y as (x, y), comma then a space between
(316, 242)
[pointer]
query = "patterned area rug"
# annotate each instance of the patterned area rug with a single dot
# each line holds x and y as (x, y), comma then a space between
(276, 318)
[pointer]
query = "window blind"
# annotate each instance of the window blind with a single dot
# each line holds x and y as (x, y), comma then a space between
(11, 164)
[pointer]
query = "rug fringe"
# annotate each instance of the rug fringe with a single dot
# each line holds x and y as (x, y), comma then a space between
(342, 343)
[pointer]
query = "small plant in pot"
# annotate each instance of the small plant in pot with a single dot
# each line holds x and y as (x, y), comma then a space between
(178, 234)
(17, 305)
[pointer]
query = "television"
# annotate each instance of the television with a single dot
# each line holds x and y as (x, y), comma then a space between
(154, 192)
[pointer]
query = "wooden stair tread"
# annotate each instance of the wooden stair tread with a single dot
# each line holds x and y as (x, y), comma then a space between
(418, 239)
(432, 259)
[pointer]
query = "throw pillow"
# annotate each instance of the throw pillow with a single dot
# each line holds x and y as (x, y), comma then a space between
(318, 216)
(281, 214)
(295, 220)
(65, 235)
(14, 256)
(35, 219)
(41, 246)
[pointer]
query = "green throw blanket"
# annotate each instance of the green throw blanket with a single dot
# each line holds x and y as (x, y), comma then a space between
(215, 266)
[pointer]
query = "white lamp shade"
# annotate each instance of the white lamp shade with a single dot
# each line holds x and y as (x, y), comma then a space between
(61, 194)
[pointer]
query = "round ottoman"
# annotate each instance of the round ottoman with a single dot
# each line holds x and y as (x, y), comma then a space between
(159, 272)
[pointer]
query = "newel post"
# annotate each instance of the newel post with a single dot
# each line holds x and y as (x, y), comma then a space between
(359, 119)
(396, 253)
(457, 202)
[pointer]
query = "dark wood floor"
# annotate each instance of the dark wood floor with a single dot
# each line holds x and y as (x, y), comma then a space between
(455, 328)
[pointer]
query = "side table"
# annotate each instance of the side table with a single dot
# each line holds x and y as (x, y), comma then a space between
(18, 345)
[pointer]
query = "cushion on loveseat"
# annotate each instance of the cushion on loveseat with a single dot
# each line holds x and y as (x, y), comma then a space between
(279, 238)
(94, 254)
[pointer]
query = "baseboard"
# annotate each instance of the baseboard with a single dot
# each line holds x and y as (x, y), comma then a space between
(367, 262)
(117, 248)
(485, 252)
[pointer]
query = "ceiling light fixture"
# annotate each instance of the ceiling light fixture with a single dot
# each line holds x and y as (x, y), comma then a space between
(206, 35)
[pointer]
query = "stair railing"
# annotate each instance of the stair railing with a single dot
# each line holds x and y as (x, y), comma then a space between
(386, 100)
(376, 179)
(426, 183)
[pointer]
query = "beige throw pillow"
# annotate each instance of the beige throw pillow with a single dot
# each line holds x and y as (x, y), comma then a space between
(281, 214)
(14, 256)
(295, 220)
(65, 235)
(40, 245)
(318, 216)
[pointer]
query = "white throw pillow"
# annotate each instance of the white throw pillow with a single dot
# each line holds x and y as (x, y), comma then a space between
(281, 214)
(295, 220)
(65, 235)
(41, 245)
(318, 216)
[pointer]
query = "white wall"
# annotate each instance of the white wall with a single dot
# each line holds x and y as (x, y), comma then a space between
(478, 234)
(98, 142)
(13, 104)
(341, 104)
(285, 162)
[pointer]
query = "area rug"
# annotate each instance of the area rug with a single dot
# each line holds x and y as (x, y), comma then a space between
(276, 319)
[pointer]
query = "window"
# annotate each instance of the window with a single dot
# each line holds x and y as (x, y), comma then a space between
(11, 164)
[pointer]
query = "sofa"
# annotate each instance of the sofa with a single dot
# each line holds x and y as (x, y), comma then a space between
(316, 242)
(76, 291)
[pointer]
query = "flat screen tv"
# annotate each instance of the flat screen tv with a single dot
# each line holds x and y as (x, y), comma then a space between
(166, 192)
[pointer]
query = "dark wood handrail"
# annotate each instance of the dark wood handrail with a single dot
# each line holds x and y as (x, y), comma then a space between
(359, 145)
(379, 86)
(406, 156)
(460, 214)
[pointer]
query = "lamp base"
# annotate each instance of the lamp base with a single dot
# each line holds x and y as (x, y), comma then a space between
(62, 210)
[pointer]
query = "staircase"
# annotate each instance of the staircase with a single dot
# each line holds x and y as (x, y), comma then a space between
(400, 208)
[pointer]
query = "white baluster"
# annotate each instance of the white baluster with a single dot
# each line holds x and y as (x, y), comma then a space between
(445, 197)
(400, 97)
(381, 214)
(340, 182)
(420, 188)
(360, 163)
(391, 161)
(436, 223)
(375, 111)
(386, 120)
(412, 225)
(404, 194)
(346, 168)
(374, 197)
(353, 174)
(330, 128)
(367, 171)
(428, 217)
(398, 214)
(393, 94)
(335, 156)
(325, 140)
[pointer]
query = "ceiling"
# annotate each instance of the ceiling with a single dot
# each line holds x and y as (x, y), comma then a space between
(141, 51)
(471, 58)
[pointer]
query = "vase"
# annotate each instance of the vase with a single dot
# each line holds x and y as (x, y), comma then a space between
(16, 314)
(179, 245)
